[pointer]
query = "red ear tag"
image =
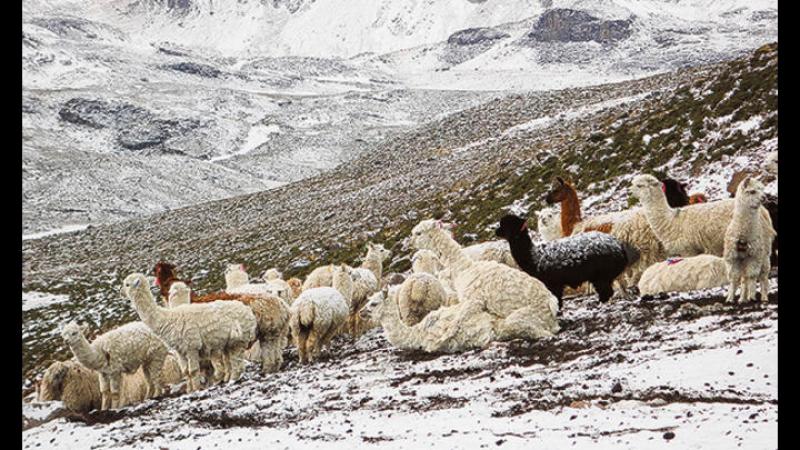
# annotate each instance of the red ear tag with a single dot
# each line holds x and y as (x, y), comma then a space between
(158, 283)
(524, 226)
(663, 188)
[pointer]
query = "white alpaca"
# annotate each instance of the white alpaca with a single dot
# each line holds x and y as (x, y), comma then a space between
(420, 294)
(238, 282)
(373, 261)
(78, 387)
(748, 241)
(219, 329)
(771, 163)
(319, 314)
(497, 251)
(684, 274)
(425, 261)
(121, 350)
(496, 302)
(272, 325)
(690, 230)
(549, 224)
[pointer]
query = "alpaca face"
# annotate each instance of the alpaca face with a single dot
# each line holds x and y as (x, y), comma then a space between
(132, 282)
(751, 192)
(549, 217)
(179, 293)
(379, 250)
(373, 309)
(272, 274)
(558, 191)
(422, 233)
(51, 385)
(510, 227)
(71, 332)
(645, 187)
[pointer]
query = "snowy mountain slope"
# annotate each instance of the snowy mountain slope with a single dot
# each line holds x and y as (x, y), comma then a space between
(469, 167)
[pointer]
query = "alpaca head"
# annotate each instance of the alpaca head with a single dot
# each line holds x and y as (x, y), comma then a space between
(559, 191)
(378, 249)
(771, 163)
(272, 274)
(235, 276)
(342, 279)
(548, 218)
(163, 271)
(296, 284)
(179, 294)
(51, 385)
(133, 283)
(750, 193)
(646, 188)
(425, 260)
(422, 233)
(675, 192)
(511, 226)
(71, 332)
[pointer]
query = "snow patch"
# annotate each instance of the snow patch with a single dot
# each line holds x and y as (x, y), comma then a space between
(36, 300)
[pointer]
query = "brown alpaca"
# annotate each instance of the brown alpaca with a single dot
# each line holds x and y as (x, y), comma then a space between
(165, 275)
(602, 228)
(697, 198)
(563, 192)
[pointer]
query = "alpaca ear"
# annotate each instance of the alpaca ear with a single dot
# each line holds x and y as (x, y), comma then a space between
(136, 283)
(560, 180)
(84, 329)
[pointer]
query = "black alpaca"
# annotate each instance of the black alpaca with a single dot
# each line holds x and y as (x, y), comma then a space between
(675, 191)
(594, 257)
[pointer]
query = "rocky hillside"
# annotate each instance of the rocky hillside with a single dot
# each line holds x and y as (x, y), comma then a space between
(698, 124)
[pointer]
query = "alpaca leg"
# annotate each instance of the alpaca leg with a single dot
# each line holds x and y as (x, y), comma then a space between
(312, 345)
(764, 279)
(733, 280)
(105, 391)
(271, 356)
(192, 369)
(604, 290)
(218, 365)
(468, 311)
(153, 372)
(115, 380)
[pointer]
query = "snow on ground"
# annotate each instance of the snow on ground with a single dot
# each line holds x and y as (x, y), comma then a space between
(64, 229)
(257, 135)
(634, 373)
(36, 300)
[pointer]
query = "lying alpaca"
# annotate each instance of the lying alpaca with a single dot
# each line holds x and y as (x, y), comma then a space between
(628, 226)
(687, 231)
(238, 282)
(425, 261)
(496, 301)
(78, 387)
(684, 274)
(214, 329)
(420, 294)
(594, 257)
(318, 314)
(272, 322)
(121, 350)
(747, 244)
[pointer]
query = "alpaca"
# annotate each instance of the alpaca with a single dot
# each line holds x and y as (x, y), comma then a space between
(747, 244)
(549, 224)
(210, 329)
(768, 201)
(425, 261)
(165, 275)
(684, 274)
(594, 257)
(281, 288)
(272, 323)
(295, 288)
(121, 350)
(78, 387)
(677, 196)
(420, 294)
(771, 163)
(492, 296)
(491, 251)
(319, 314)
(629, 226)
(373, 261)
(687, 231)
(238, 282)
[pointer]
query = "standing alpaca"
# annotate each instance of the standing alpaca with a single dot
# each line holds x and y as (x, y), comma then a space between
(318, 314)
(594, 257)
(677, 196)
(628, 226)
(690, 230)
(747, 244)
(295, 288)
(121, 350)
(769, 201)
(503, 302)
(217, 328)
(238, 282)
(272, 323)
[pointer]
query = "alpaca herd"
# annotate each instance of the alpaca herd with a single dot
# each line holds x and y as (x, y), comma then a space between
(454, 298)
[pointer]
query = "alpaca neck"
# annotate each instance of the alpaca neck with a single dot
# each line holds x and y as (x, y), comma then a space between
(86, 354)
(522, 251)
(744, 216)
(570, 212)
(151, 314)
(658, 213)
(397, 332)
(374, 264)
(450, 252)
(344, 286)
